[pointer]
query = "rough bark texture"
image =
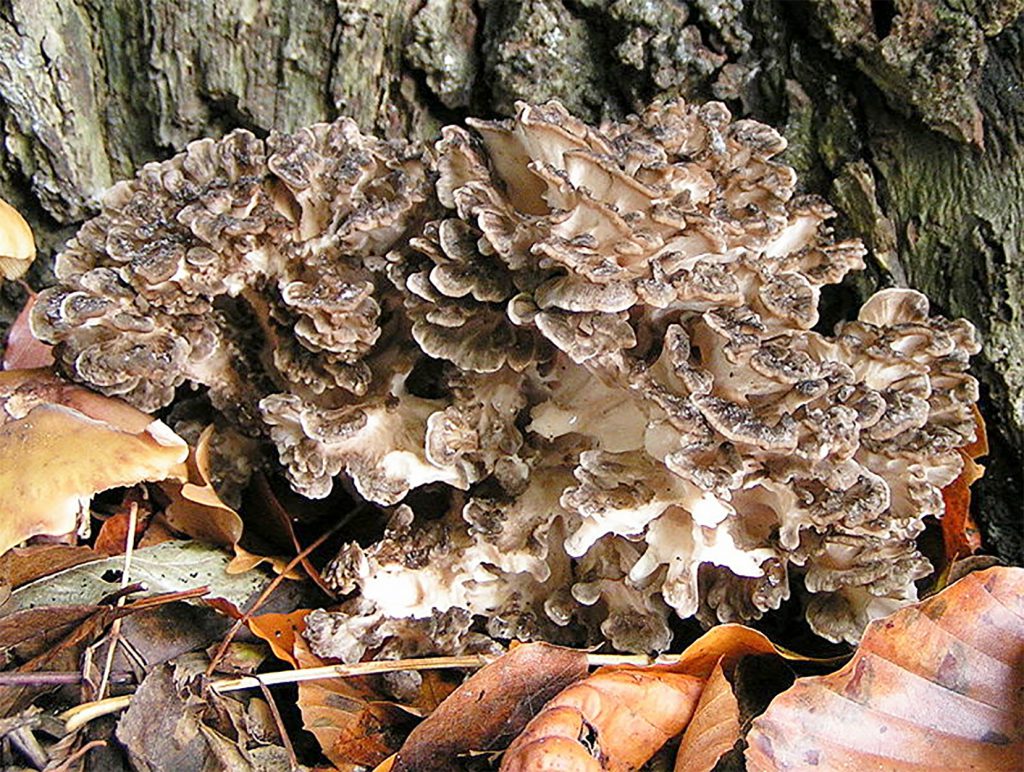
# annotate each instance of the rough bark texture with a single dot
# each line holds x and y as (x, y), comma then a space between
(909, 115)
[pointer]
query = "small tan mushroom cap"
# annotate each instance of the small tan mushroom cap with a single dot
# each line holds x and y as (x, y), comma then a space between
(61, 444)
(17, 244)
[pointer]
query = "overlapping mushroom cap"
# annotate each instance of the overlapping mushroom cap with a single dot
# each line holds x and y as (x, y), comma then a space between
(598, 341)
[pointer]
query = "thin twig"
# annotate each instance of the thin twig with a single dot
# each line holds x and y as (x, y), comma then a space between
(347, 671)
(264, 490)
(293, 760)
(52, 678)
(115, 628)
(66, 764)
(274, 584)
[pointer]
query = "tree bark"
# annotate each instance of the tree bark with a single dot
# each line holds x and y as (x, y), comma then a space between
(909, 116)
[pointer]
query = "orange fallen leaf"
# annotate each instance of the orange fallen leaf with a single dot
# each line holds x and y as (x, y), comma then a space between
(960, 533)
(354, 725)
(60, 444)
(113, 534)
(935, 681)
(613, 721)
(619, 717)
(17, 245)
(280, 631)
(714, 728)
(501, 698)
(246, 561)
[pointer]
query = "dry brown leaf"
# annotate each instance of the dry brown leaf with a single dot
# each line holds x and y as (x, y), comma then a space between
(28, 633)
(501, 698)
(725, 645)
(280, 631)
(613, 721)
(24, 565)
(960, 533)
(620, 716)
(195, 508)
(60, 444)
(937, 684)
(112, 538)
(246, 561)
(23, 350)
(17, 245)
(714, 728)
(354, 725)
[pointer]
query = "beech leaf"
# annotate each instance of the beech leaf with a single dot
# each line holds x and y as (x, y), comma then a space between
(502, 697)
(960, 533)
(935, 681)
(714, 728)
(354, 725)
(615, 720)
(195, 508)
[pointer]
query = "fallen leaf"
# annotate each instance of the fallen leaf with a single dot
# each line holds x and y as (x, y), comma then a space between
(714, 728)
(60, 444)
(168, 567)
(28, 633)
(280, 631)
(354, 725)
(246, 561)
(436, 686)
(65, 653)
(22, 565)
(960, 534)
(613, 721)
(112, 538)
(161, 728)
(620, 716)
(936, 681)
(17, 245)
(195, 508)
(66, 641)
(23, 350)
(501, 698)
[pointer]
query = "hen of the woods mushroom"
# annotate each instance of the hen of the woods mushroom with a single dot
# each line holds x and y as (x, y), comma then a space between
(597, 344)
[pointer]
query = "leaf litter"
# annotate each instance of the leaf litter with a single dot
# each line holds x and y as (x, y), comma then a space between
(940, 673)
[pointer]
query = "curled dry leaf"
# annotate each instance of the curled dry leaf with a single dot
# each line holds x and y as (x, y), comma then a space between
(23, 565)
(355, 726)
(501, 698)
(613, 721)
(60, 444)
(714, 728)
(935, 681)
(17, 245)
(960, 533)
(195, 507)
(280, 631)
(619, 717)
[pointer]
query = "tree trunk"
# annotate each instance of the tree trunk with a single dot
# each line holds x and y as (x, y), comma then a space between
(909, 116)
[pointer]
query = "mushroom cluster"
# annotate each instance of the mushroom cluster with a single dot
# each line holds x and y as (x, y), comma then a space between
(596, 345)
